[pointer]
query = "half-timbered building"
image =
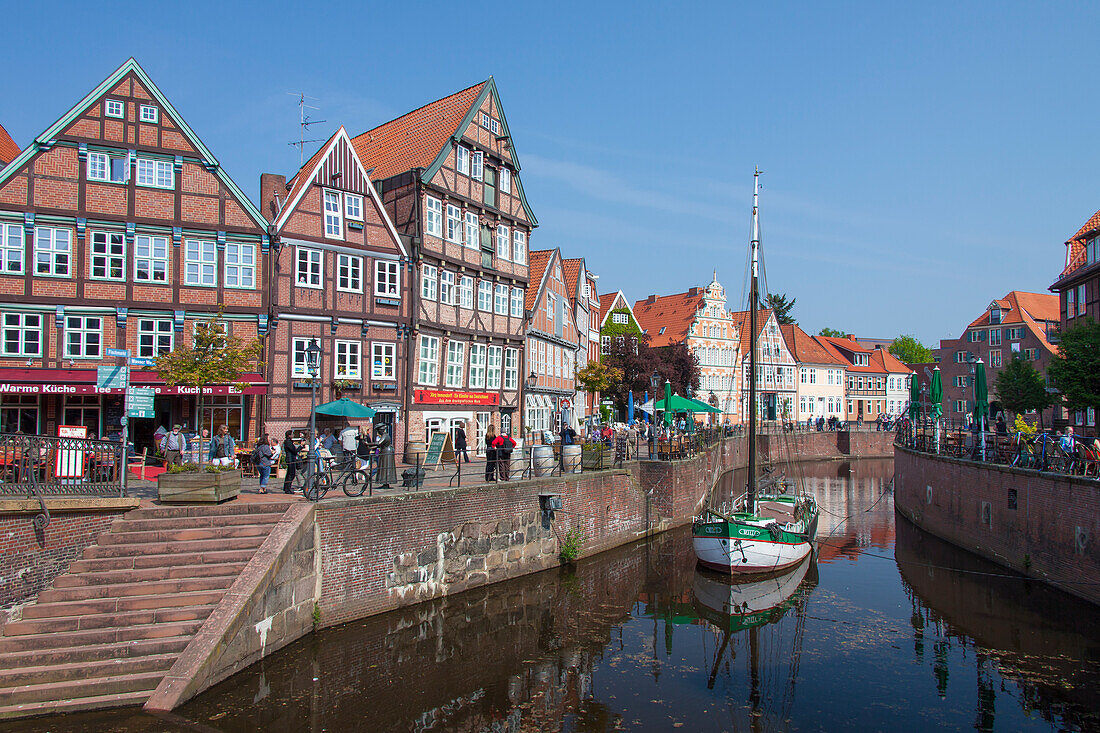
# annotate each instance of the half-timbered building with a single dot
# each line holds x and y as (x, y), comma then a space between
(776, 391)
(339, 278)
(584, 299)
(119, 229)
(449, 177)
(553, 342)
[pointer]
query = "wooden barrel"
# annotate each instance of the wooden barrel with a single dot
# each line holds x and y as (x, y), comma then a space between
(544, 459)
(415, 450)
(571, 458)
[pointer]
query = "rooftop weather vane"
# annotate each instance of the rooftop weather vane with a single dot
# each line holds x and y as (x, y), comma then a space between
(303, 125)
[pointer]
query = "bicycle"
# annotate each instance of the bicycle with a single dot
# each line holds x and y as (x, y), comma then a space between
(351, 479)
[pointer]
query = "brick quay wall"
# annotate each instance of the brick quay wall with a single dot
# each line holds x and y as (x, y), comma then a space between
(1042, 525)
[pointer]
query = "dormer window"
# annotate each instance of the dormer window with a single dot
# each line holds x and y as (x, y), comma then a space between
(661, 332)
(994, 316)
(1092, 250)
(114, 108)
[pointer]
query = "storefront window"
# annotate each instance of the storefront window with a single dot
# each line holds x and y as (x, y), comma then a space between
(19, 414)
(227, 410)
(83, 410)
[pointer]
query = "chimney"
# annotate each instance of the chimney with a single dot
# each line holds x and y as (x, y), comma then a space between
(272, 185)
(651, 300)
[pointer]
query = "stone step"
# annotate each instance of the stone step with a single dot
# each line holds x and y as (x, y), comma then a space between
(170, 548)
(57, 707)
(117, 685)
(106, 612)
(95, 653)
(43, 674)
(184, 535)
(207, 510)
(174, 560)
(112, 635)
(82, 578)
(130, 524)
(112, 620)
(124, 590)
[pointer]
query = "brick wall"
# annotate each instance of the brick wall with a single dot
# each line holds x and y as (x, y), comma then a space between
(1051, 533)
(30, 558)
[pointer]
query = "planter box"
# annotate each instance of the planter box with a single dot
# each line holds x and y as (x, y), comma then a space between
(200, 486)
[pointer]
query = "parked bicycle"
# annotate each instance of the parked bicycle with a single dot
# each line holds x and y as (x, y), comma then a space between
(344, 473)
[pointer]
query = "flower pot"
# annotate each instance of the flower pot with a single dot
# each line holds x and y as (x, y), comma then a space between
(198, 486)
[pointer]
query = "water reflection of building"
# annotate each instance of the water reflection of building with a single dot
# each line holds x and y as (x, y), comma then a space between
(1047, 642)
(857, 506)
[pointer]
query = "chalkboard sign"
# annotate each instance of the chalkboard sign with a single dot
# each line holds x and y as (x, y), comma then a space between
(440, 449)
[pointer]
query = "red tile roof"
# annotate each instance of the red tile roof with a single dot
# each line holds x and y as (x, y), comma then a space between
(537, 260)
(674, 313)
(571, 270)
(606, 301)
(805, 349)
(8, 149)
(1020, 307)
(741, 318)
(1076, 244)
(414, 140)
(839, 346)
(889, 362)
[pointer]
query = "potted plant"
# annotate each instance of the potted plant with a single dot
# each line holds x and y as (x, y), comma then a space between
(214, 357)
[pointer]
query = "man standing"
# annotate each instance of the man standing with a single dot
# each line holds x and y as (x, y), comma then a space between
(460, 444)
(174, 444)
(290, 450)
(349, 440)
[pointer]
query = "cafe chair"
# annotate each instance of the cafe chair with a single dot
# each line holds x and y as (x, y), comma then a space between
(138, 467)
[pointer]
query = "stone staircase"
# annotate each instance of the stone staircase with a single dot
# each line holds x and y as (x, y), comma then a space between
(111, 627)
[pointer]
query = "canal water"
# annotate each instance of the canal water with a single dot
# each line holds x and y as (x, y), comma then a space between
(889, 629)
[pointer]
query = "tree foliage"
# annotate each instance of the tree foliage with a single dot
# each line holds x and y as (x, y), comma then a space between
(781, 306)
(598, 376)
(636, 361)
(1021, 388)
(910, 351)
(1076, 368)
(832, 333)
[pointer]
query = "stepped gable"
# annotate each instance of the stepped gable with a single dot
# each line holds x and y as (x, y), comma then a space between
(8, 149)
(112, 626)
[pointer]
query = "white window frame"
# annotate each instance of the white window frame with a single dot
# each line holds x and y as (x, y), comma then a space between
(56, 243)
(494, 126)
(387, 278)
(511, 369)
(349, 273)
(150, 113)
(477, 165)
(517, 303)
(427, 372)
(107, 252)
(155, 337)
(309, 268)
(433, 217)
(240, 266)
(157, 254)
(101, 167)
(429, 282)
(353, 206)
(299, 361)
(333, 209)
(383, 360)
(550, 307)
(347, 362)
(114, 108)
(504, 249)
(500, 299)
(519, 247)
(505, 180)
(472, 229)
(485, 296)
(454, 224)
(485, 120)
(620, 319)
(447, 295)
(26, 329)
(493, 368)
(155, 173)
(89, 330)
(462, 159)
(456, 364)
(478, 356)
(200, 263)
(13, 249)
(466, 292)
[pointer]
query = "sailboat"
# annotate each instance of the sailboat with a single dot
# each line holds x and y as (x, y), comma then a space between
(771, 526)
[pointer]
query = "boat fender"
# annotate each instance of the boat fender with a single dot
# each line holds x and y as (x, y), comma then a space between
(775, 530)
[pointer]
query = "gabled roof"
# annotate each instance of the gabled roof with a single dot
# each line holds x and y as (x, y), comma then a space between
(675, 313)
(742, 321)
(132, 66)
(538, 262)
(1075, 253)
(842, 347)
(9, 151)
(571, 270)
(1018, 307)
(889, 362)
(805, 349)
(606, 302)
(422, 139)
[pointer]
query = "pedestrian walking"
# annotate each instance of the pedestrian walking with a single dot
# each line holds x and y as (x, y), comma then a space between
(223, 449)
(174, 445)
(291, 450)
(490, 454)
(460, 443)
(264, 460)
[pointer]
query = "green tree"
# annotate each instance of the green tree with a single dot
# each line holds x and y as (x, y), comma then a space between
(1021, 388)
(781, 306)
(214, 357)
(831, 333)
(1075, 370)
(598, 376)
(910, 351)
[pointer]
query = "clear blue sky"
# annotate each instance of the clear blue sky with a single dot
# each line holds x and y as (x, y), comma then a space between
(919, 159)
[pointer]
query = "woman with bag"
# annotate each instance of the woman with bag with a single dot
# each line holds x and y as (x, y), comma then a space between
(264, 461)
(490, 454)
(504, 445)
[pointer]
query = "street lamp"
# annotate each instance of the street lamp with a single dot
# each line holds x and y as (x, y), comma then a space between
(654, 383)
(313, 364)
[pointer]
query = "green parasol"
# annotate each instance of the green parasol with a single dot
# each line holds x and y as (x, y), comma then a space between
(914, 398)
(344, 407)
(668, 402)
(981, 394)
(935, 393)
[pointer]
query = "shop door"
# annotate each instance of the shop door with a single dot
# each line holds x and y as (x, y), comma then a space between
(769, 406)
(384, 418)
(482, 419)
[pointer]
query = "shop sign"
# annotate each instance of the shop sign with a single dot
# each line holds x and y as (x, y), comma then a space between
(383, 386)
(454, 397)
(140, 402)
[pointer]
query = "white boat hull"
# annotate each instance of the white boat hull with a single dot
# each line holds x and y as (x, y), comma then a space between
(729, 597)
(748, 556)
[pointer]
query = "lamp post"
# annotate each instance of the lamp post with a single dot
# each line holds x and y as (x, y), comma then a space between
(532, 382)
(313, 364)
(654, 383)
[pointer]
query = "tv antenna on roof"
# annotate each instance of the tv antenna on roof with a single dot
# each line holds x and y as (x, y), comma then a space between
(303, 125)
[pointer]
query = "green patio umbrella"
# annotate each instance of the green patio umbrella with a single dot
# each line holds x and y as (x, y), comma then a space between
(914, 398)
(700, 406)
(668, 402)
(935, 393)
(344, 407)
(981, 395)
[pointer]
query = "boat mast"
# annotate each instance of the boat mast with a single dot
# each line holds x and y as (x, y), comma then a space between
(753, 295)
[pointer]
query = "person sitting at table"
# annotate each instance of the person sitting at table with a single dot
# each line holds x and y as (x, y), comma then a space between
(222, 448)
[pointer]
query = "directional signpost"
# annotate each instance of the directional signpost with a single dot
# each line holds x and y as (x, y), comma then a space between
(140, 402)
(118, 377)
